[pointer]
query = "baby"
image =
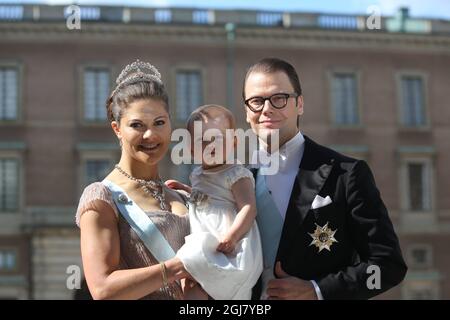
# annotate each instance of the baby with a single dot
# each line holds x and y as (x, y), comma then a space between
(223, 252)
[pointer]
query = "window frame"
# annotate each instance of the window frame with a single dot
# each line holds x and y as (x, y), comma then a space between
(109, 153)
(399, 75)
(416, 281)
(17, 267)
(187, 67)
(409, 256)
(81, 94)
(427, 184)
(15, 155)
(20, 76)
(359, 97)
(425, 219)
(89, 158)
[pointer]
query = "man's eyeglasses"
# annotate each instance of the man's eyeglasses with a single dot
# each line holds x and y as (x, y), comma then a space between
(277, 100)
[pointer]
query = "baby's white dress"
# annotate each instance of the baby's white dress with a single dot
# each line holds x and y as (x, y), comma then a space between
(222, 276)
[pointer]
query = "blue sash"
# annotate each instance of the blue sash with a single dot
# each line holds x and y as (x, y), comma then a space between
(144, 227)
(270, 221)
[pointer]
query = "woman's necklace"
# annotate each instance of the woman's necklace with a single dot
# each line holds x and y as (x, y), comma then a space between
(151, 187)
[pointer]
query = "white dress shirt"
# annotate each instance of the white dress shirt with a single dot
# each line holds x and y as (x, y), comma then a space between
(280, 184)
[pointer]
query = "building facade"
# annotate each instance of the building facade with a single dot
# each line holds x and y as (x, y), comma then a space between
(375, 94)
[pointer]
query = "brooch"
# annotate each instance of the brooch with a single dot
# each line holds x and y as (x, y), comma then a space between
(122, 198)
(197, 197)
(323, 237)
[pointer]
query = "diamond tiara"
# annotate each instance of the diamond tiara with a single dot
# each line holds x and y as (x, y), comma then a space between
(136, 71)
(136, 67)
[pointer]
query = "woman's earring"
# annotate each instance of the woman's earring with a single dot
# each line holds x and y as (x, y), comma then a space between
(120, 143)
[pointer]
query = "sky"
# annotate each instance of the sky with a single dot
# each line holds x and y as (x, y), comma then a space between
(418, 8)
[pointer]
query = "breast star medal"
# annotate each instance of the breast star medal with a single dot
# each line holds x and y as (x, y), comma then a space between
(323, 237)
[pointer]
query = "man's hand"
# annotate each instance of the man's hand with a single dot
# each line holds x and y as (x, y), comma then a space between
(288, 287)
(177, 185)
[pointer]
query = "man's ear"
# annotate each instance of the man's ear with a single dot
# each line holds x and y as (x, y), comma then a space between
(116, 128)
(246, 116)
(300, 105)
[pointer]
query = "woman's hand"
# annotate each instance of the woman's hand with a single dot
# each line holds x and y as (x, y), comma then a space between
(193, 291)
(175, 270)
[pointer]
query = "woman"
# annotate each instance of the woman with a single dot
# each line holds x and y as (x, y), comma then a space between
(118, 259)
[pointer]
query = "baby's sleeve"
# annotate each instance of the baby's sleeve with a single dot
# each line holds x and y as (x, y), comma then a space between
(239, 172)
(93, 192)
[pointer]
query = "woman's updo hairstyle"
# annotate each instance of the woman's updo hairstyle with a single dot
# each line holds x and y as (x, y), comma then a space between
(138, 80)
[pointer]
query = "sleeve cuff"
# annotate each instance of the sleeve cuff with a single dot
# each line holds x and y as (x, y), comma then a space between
(317, 289)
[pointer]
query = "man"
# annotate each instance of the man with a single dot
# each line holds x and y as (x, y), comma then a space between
(324, 227)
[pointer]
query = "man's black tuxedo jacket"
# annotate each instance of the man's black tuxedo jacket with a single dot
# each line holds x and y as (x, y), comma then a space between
(364, 233)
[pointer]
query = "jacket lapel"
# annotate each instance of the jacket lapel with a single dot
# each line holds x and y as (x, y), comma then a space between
(308, 185)
(314, 170)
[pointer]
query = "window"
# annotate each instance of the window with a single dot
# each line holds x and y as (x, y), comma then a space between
(345, 99)
(96, 161)
(163, 16)
(421, 294)
(200, 16)
(86, 13)
(9, 93)
(422, 286)
(189, 90)
(337, 22)
(269, 19)
(96, 83)
(96, 170)
(419, 256)
(412, 101)
(8, 260)
(9, 185)
(9, 12)
(419, 184)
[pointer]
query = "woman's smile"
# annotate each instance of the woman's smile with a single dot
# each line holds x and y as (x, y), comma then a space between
(148, 148)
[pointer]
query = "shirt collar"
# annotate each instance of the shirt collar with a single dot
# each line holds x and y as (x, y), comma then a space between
(292, 146)
(290, 153)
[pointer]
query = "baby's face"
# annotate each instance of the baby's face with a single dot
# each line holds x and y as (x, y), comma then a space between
(214, 141)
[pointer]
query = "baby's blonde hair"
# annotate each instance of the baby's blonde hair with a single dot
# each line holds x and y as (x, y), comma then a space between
(210, 111)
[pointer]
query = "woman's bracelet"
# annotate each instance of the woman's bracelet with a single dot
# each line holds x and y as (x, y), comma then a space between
(164, 274)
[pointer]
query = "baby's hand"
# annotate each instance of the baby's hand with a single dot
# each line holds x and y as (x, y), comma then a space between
(226, 245)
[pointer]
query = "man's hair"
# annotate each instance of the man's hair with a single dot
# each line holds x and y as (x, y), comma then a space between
(208, 112)
(272, 65)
